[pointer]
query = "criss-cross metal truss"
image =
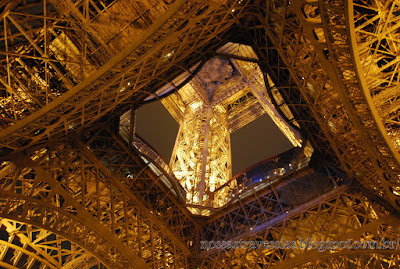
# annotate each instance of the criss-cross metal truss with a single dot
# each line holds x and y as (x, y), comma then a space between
(340, 214)
(75, 194)
(86, 193)
(27, 246)
(311, 48)
(201, 159)
(159, 44)
(224, 96)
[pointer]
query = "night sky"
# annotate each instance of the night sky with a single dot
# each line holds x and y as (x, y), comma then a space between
(157, 127)
(254, 142)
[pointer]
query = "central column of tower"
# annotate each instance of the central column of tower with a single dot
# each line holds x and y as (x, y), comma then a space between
(201, 159)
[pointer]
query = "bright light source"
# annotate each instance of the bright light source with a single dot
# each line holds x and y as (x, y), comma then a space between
(169, 54)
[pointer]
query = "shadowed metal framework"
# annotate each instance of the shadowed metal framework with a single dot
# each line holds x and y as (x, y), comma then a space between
(78, 189)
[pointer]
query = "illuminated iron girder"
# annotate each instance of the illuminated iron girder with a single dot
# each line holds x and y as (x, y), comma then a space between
(31, 247)
(97, 203)
(224, 96)
(156, 193)
(255, 81)
(312, 66)
(65, 64)
(289, 44)
(201, 159)
(28, 196)
(340, 213)
(158, 49)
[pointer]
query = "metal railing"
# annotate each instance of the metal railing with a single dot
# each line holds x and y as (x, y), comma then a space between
(263, 173)
(159, 164)
(253, 178)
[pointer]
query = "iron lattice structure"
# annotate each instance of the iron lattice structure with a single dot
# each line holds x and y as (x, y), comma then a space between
(79, 190)
(224, 96)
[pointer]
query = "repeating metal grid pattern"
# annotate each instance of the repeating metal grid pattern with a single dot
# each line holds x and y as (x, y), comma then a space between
(312, 58)
(144, 180)
(258, 206)
(375, 38)
(67, 190)
(49, 47)
(201, 160)
(311, 62)
(342, 214)
(30, 196)
(30, 247)
(161, 53)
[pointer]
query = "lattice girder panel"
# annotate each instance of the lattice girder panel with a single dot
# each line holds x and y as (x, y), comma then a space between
(112, 25)
(30, 196)
(258, 206)
(91, 208)
(49, 47)
(31, 247)
(23, 79)
(341, 214)
(133, 72)
(107, 196)
(201, 158)
(375, 41)
(323, 72)
(286, 95)
(145, 181)
(339, 47)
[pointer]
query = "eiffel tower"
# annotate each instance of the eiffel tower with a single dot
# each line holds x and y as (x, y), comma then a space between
(80, 189)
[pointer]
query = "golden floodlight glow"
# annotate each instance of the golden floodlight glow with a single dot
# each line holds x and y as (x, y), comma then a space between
(224, 96)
